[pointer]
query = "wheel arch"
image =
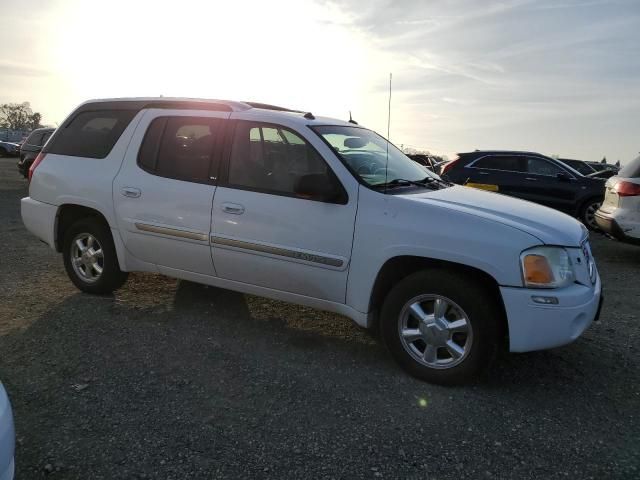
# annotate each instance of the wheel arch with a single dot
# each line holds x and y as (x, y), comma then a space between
(69, 213)
(399, 267)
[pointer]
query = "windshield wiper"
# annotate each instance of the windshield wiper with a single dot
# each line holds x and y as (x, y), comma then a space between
(403, 182)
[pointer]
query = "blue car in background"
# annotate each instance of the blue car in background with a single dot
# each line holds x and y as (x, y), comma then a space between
(7, 437)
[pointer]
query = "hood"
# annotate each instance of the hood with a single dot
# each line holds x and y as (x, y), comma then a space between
(549, 226)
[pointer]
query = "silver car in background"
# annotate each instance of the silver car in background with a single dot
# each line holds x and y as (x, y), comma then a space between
(7, 437)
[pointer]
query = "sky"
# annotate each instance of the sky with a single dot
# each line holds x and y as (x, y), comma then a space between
(558, 77)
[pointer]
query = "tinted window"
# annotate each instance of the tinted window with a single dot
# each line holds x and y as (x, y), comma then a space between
(34, 139)
(502, 162)
(272, 159)
(91, 134)
(631, 169)
(540, 166)
(179, 147)
(45, 137)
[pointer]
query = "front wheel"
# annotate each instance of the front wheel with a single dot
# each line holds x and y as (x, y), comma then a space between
(90, 257)
(441, 326)
(588, 213)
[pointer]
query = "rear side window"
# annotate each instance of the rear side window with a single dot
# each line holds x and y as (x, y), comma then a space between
(34, 139)
(631, 169)
(91, 134)
(509, 163)
(179, 147)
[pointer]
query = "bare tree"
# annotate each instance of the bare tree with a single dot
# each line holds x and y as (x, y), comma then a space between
(19, 116)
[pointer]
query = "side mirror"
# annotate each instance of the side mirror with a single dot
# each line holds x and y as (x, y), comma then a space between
(563, 177)
(319, 187)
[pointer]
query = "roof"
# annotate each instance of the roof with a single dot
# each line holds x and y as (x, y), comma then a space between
(517, 152)
(139, 103)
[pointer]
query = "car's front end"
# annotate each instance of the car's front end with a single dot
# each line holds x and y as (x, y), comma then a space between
(7, 437)
(560, 297)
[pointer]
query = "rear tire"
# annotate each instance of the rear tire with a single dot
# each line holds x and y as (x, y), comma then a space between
(90, 257)
(587, 213)
(441, 326)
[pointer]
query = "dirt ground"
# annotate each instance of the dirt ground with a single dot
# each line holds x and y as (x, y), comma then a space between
(173, 380)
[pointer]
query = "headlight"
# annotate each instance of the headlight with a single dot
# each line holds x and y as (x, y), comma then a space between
(546, 267)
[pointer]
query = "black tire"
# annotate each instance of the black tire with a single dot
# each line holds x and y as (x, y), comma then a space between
(588, 208)
(482, 312)
(3, 152)
(111, 278)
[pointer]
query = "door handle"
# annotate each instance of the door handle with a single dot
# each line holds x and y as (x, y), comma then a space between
(130, 192)
(531, 179)
(232, 208)
(483, 173)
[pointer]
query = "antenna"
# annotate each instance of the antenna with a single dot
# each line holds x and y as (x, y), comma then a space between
(386, 165)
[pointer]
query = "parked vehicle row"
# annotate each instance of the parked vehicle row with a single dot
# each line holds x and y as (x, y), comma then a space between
(530, 176)
(314, 211)
(31, 147)
(619, 214)
(591, 169)
(9, 149)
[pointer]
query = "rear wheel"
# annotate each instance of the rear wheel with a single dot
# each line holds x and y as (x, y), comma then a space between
(90, 257)
(441, 326)
(588, 213)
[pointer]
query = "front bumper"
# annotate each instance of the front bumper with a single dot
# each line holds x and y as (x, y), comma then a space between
(533, 326)
(608, 224)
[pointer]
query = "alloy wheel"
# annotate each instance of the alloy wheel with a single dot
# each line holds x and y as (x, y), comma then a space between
(87, 257)
(435, 331)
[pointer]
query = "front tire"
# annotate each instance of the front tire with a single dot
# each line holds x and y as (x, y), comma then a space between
(90, 257)
(588, 213)
(441, 326)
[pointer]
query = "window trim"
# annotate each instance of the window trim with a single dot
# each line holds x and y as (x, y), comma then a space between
(228, 150)
(214, 158)
(473, 162)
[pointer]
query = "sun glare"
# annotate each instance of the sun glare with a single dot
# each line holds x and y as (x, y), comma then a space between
(293, 53)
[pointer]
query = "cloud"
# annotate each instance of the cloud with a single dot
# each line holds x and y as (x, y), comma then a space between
(8, 68)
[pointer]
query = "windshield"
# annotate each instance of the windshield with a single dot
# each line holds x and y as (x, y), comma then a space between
(365, 153)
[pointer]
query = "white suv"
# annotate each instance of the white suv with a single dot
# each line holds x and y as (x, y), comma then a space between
(314, 211)
(619, 214)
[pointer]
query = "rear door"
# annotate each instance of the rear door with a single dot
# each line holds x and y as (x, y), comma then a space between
(267, 233)
(497, 173)
(164, 191)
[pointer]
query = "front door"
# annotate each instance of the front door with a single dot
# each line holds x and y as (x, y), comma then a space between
(271, 230)
(164, 191)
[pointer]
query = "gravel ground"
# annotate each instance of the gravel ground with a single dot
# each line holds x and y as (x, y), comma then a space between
(173, 380)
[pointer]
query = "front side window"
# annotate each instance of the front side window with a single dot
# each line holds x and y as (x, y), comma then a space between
(365, 153)
(272, 159)
(540, 166)
(179, 147)
(507, 163)
(91, 134)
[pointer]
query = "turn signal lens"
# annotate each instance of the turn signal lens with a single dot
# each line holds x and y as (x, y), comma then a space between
(537, 270)
(546, 267)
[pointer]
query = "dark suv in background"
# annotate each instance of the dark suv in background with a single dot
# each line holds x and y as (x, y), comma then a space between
(530, 176)
(31, 147)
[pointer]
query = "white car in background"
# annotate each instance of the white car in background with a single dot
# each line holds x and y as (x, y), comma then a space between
(7, 437)
(619, 214)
